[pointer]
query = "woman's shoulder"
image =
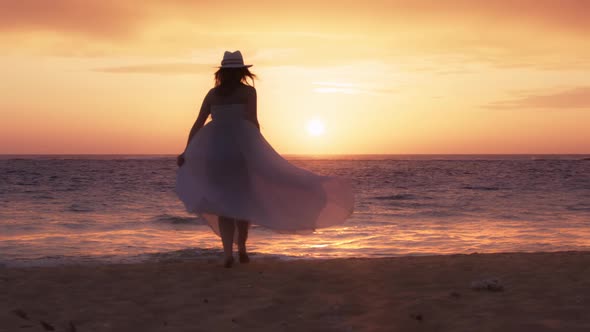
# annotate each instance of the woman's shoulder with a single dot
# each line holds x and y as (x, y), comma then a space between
(245, 91)
(241, 93)
(241, 88)
(211, 92)
(248, 88)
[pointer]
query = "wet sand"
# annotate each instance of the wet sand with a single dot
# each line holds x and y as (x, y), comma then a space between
(541, 292)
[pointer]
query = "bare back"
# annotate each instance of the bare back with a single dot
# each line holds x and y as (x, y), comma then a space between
(243, 94)
(240, 95)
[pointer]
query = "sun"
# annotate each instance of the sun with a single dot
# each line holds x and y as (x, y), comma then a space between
(315, 127)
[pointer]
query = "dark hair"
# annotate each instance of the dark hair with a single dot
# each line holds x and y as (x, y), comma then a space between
(228, 79)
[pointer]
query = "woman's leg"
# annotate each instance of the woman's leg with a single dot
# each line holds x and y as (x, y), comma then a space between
(226, 230)
(243, 226)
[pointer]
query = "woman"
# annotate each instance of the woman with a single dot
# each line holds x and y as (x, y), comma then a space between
(231, 176)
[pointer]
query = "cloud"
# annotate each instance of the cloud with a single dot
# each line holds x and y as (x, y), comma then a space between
(547, 34)
(98, 16)
(574, 98)
(177, 68)
(206, 60)
(99, 19)
(349, 88)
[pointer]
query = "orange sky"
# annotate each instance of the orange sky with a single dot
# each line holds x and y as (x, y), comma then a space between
(381, 76)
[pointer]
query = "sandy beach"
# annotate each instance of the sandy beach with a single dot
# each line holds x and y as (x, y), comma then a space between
(535, 292)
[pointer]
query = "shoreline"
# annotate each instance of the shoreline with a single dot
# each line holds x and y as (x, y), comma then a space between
(212, 255)
(543, 291)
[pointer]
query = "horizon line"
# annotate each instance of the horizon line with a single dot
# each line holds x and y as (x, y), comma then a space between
(305, 154)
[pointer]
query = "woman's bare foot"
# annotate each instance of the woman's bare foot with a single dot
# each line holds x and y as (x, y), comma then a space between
(229, 262)
(244, 258)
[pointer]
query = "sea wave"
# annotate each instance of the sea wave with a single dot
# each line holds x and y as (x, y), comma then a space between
(396, 197)
(79, 208)
(485, 188)
(185, 255)
(579, 207)
(175, 220)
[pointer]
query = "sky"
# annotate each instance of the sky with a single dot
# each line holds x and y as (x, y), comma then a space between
(336, 77)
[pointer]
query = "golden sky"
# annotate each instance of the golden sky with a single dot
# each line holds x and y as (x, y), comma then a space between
(391, 76)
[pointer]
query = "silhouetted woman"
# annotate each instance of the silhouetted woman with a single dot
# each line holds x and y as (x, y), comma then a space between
(232, 177)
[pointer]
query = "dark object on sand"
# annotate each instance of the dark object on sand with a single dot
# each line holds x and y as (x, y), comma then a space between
(455, 294)
(47, 326)
(492, 285)
(417, 316)
(20, 313)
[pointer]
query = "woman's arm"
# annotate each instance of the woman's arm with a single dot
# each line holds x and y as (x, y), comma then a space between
(252, 111)
(199, 123)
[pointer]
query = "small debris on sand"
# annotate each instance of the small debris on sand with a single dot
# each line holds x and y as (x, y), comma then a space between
(47, 326)
(417, 316)
(490, 284)
(455, 294)
(20, 313)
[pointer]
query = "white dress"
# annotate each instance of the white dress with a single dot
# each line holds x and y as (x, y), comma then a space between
(230, 170)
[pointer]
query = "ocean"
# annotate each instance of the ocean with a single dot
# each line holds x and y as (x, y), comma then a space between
(101, 208)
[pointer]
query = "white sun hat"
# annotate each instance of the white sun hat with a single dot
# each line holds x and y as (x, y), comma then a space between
(233, 60)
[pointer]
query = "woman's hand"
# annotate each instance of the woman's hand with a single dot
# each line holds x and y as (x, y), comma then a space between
(180, 159)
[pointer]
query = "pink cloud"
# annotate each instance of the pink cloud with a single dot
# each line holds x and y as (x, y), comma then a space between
(93, 18)
(160, 68)
(540, 33)
(575, 98)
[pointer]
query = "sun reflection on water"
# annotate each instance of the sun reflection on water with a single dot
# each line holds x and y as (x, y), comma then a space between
(424, 238)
